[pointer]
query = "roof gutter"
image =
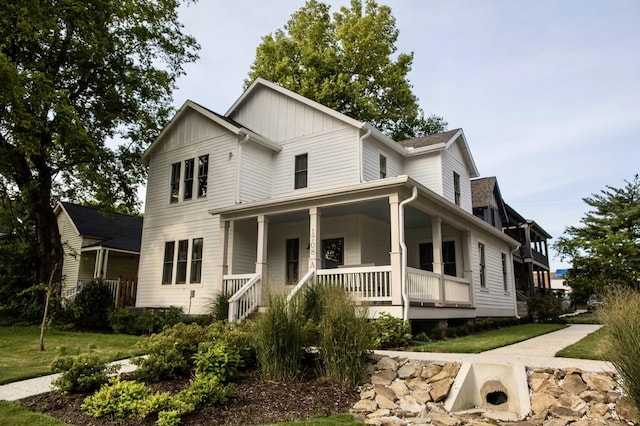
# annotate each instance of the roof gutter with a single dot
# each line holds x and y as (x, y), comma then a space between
(403, 253)
(239, 165)
(515, 295)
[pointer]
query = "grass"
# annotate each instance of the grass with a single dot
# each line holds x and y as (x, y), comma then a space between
(490, 339)
(586, 318)
(12, 414)
(592, 346)
(340, 419)
(20, 357)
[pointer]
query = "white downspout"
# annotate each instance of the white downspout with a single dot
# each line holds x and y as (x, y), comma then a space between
(515, 295)
(360, 154)
(238, 165)
(403, 254)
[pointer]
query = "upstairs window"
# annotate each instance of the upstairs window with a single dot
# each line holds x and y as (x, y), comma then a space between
(456, 188)
(383, 166)
(300, 171)
(203, 172)
(167, 265)
(188, 179)
(175, 182)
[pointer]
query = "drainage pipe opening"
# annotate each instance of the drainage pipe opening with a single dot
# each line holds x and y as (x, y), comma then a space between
(496, 398)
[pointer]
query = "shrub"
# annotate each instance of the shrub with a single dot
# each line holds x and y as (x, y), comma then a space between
(118, 399)
(545, 308)
(92, 306)
(204, 390)
(138, 321)
(620, 315)
(219, 360)
(81, 374)
(278, 339)
(220, 306)
(346, 338)
(391, 332)
(422, 337)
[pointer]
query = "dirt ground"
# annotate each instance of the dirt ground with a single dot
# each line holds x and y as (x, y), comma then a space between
(255, 401)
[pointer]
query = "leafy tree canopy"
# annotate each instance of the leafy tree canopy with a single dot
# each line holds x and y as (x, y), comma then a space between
(605, 249)
(76, 74)
(345, 62)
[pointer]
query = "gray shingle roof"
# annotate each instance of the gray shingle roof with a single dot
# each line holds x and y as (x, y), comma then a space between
(117, 231)
(482, 191)
(429, 140)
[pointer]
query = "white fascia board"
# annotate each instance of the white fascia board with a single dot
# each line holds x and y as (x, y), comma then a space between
(313, 104)
(473, 169)
(384, 139)
(377, 184)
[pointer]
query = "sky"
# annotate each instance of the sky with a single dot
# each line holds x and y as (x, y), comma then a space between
(546, 91)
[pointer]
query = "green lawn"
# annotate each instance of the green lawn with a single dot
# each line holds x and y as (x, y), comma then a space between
(12, 414)
(590, 347)
(490, 339)
(20, 357)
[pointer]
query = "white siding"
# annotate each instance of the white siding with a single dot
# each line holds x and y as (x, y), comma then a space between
(492, 300)
(452, 161)
(71, 244)
(427, 170)
(255, 172)
(278, 235)
(371, 152)
(281, 118)
(332, 162)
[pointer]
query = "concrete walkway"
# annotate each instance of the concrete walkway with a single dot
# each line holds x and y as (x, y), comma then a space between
(536, 352)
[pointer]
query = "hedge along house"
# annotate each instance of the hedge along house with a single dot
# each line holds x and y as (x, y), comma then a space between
(97, 246)
(281, 192)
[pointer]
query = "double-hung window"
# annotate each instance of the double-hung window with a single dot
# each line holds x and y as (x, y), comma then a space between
(300, 171)
(203, 172)
(383, 166)
(482, 264)
(196, 261)
(175, 182)
(188, 179)
(167, 265)
(181, 269)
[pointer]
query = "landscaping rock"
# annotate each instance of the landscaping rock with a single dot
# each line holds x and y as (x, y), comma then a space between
(400, 388)
(385, 391)
(384, 402)
(541, 401)
(440, 390)
(573, 383)
(387, 363)
(599, 382)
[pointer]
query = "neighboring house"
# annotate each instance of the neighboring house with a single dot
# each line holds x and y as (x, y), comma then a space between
(531, 260)
(559, 283)
(97, 246)
(281, 191)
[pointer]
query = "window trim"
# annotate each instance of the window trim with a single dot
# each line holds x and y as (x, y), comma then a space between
(301, 171)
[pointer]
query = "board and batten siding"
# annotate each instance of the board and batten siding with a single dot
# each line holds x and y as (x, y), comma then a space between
(452, 161)
(492, 300)
(281, 118)
(426, 169)
(332, 162)
(71, 242)
(371, 152)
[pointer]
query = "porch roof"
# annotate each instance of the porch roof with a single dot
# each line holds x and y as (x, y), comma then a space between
(358, 192)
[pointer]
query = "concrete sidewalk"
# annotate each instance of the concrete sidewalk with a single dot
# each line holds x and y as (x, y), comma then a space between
(536, 352)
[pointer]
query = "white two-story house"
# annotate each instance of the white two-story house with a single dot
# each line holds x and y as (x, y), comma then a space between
(282, 192)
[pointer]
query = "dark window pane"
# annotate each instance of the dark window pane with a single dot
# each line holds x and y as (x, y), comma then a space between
(300, 173)
(167, 266)
(175, 182)
(203, 172)
(449, 257)
(293, 261)
(333, 253)
(188, 179)
(181, 270)
(383, 167)
(196, 261)
(426, 256)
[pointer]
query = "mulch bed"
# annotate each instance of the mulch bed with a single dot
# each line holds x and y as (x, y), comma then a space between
(255, 401)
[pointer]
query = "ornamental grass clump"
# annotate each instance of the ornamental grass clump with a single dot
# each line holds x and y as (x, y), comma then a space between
(278, 339)
(620, 315)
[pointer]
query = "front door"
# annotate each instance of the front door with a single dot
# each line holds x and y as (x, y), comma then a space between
(332, 253)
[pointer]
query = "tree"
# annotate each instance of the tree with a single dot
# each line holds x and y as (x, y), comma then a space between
(75, 75)
(346, 64)
(605, 249)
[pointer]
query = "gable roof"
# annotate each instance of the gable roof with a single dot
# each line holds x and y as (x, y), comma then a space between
(481, 191)
(116, 231)
(226, 122)
(430, 140)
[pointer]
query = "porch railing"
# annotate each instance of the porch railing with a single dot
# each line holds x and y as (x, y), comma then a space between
(425, 287)
(370, 283)
(246, 299)
(123, 290)
(304, 281)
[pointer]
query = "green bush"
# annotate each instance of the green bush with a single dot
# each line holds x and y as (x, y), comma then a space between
(92, 306)
(422, 337)
(391, 332)
(118, 399)
(545, 308)
(217, 359)
(346, 338)
(278, 339)
(81, 374)
(219, 308)
(620, 315)
(204, 390)
(137, 321)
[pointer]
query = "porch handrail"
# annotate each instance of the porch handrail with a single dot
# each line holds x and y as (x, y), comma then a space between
(303, 282)
(233, 283)
(246, 300)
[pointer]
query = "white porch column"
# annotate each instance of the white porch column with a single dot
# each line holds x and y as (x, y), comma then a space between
(467, 259)
(261, 258)
(224, 255)
(395, 253)
(105, 264)
(436, 237)
(96, 264)
(314, 239)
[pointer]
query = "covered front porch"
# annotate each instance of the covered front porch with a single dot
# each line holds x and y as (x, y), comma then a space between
(392, 250)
